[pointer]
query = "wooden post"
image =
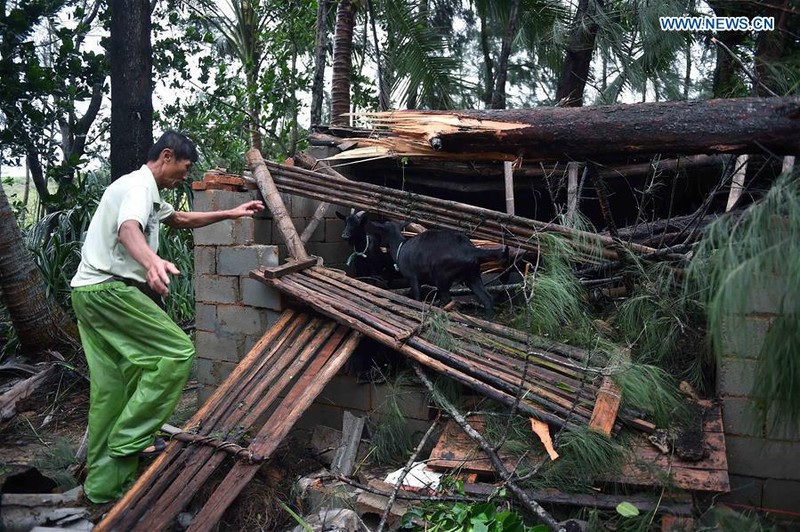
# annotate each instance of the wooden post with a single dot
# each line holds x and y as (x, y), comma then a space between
(788, 164)
(275, 204)
(508, 172)
(737, 183)
(572, 192)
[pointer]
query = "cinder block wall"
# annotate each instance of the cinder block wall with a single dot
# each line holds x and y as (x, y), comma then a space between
(233, 311)
(763, 460)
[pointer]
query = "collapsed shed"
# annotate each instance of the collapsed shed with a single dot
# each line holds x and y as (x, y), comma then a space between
(302, 351)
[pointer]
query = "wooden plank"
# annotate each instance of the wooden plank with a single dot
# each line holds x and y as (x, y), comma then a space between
(674, 503)
(328, 362)
(456, 450)
(291, 266)
(606, 407)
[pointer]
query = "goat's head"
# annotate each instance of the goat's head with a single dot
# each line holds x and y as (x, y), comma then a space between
(353, 223)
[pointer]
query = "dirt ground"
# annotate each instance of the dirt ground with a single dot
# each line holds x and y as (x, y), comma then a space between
(49, 426)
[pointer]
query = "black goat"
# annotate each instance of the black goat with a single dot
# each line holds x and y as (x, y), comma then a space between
(439, 258)
(367, 258)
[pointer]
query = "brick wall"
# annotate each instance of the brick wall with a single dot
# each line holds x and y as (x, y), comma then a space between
(763, 460)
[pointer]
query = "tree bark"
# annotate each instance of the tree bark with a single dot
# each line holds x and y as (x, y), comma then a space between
(578, 59)
(741, 125)
(342, 63)
(39, 322)
(130, 55)
(499, 96)
(320, 47)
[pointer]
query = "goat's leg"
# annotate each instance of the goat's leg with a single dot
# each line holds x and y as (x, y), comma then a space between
(415, 289)
(476, 285)
(443, 294)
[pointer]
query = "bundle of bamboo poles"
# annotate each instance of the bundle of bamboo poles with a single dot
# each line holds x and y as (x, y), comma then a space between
(548, 381)
(280, 377)
(476, 222)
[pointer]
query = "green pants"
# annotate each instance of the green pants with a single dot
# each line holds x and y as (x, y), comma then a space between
(139, 360)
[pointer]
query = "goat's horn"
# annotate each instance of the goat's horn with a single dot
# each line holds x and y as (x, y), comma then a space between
(360, 213)
(352, 211)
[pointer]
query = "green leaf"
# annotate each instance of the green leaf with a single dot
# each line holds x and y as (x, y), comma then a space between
(626, 509)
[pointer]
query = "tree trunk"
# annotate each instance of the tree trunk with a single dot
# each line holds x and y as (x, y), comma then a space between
(772, 46)
(740, 125)
(131, 85)
(320, 47)
(342, 63)
(499, 96)
(488, 63)
(578, 60)
(39, 322)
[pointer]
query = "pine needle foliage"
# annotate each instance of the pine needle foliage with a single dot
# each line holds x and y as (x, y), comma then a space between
(741, 266)
(659, 322)
(390, 439)
(648, 389)
(585, 456)
(554, 295)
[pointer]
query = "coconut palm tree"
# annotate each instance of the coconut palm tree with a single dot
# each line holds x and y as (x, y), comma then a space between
(40, 324)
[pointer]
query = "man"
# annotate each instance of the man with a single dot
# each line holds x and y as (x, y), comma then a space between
(138, 358)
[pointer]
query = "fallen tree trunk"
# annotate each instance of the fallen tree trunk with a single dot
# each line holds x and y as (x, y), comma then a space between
(737, 125)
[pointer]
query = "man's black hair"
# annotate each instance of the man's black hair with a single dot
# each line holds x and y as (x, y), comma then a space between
(179, 143)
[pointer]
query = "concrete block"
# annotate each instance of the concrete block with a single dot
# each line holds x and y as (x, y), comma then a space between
(204, 393)
(262, 231)
(333, 229)
(240, 260)
(205, 317)
(216, 289)
(226, 199)
(344, 392)
(303, 207)
(735, 376)
(412, 400)
(781, 495)
(217, 346)
(243, 231)
(743, 337)
(782, 431)
(240, 320)
(740, 417)
(761, 458)
(202, 200)
(319, 233)
(220, 233)
(744, 490)
(334, 253)
(205, 259)
(257, 294)
(766, 295)
(213, 372)
(321, 414)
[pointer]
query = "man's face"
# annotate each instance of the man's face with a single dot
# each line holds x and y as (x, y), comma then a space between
(175, 170)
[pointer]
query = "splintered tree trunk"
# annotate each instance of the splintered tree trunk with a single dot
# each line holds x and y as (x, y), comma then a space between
(39, 322)
(131, 91)
(740, 125)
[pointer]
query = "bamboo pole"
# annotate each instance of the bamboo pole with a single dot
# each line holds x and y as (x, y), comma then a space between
(508, 175)
(273, 199)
